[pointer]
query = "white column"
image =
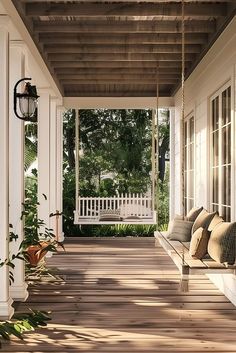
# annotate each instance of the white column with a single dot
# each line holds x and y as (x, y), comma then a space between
(59, 191)
(172, 164)
(6, 309)
(18, 288)
(56, 167)
(53, 163)
(44, 156)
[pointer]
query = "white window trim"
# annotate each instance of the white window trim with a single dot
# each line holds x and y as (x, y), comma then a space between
(187, 119)
(233, 135)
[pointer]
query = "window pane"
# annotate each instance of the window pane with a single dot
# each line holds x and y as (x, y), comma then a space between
(226, 106)
(191, 184)
(226, 144)
(191, 129)
(215, 149)
(185, 184)
(225, 187)
(215, 208)
(185, 133)
(215, 114)
(215, 184)
(185, 158)
(226, 213)
(191, 156)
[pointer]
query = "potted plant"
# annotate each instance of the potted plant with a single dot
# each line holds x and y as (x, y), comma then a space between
(38, 239)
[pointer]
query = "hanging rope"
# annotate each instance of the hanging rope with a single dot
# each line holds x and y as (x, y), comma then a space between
(157, 149)
(77, 121)
(182, 101)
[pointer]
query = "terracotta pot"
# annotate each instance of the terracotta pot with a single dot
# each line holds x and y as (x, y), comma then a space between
(35, 253)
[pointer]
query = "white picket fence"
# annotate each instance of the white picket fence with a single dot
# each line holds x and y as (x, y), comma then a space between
(128, 205)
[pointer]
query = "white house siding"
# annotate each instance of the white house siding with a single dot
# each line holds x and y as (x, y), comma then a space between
(216, 68)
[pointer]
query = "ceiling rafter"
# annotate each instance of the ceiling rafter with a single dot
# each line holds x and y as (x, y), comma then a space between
(125, 26)
(96, 9)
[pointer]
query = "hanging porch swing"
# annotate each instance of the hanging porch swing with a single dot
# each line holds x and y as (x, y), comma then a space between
(124, 208)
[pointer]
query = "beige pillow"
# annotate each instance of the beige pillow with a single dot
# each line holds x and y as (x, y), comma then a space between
(203, 220)
(199, 242)
(179, 230)
(216, 220)
(193, 213)
(221, 245)
(110, 217)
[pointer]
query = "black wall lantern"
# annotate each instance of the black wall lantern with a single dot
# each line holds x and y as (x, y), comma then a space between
(28, 101)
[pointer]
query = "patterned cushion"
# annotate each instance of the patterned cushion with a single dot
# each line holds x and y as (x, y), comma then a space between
(110, 217)
(193, 213)
(199, 242)
(216, 220)
(203, 220)
(221, 246)
(179, 230)
(109, 211)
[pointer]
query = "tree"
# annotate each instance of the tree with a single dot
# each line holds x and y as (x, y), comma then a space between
(164, 141)
(115, 149)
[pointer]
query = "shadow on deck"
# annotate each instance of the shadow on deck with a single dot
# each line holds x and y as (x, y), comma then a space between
(121, 295)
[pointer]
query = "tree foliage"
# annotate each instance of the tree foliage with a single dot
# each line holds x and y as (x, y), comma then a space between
(115, 155)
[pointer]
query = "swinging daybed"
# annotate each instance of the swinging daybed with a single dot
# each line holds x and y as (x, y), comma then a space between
(124, 208)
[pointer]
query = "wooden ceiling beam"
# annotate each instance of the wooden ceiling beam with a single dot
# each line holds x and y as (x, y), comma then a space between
(114, 82)
(118, 77)
(66, 72)
(194, 26)
(149, 92)
(142, 38)
(125, 9)
(119, 48)
(120, 57)
(116, 64)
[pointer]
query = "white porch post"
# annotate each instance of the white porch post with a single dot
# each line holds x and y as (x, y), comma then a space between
(56, 145)
(172, 163)
(44, 156)
(59, 184)
(6, 309)
(53, 163)
(18, 288)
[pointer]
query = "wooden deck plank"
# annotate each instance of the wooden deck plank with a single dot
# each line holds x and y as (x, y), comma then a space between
(121, 295)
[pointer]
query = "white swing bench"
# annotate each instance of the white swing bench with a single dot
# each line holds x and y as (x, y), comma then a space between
(129, 209)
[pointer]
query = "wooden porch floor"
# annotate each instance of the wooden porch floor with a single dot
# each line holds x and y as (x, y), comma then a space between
(121, 295)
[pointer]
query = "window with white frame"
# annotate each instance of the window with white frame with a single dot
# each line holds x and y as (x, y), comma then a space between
(189, 147)
(221, 130)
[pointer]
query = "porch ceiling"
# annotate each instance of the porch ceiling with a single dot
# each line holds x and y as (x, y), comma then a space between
(112, 48)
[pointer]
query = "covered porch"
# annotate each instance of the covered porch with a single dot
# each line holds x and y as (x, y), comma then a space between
(121, 294)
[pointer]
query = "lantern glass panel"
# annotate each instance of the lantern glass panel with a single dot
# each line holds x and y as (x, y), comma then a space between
(27, 106)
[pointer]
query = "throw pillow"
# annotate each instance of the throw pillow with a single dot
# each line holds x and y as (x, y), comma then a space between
(110, 217)
(193, 213)
(180, 230)
(216, 220)
(110, 212)
(221, 245)
(199, 242)
(203, 220)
